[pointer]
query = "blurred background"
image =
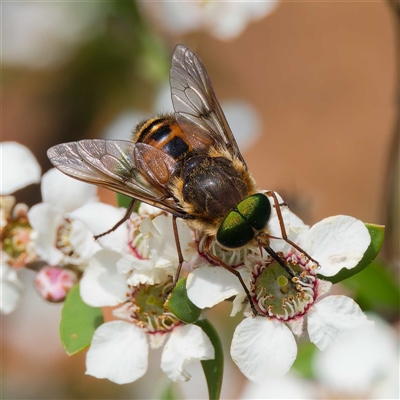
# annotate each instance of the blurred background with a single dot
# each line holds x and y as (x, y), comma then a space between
(309, 89)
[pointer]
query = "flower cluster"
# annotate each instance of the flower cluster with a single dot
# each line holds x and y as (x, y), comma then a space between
(133, 269)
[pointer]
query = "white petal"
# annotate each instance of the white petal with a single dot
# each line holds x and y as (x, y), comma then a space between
(101, 284)
(46, 220)
(208, 286)
(64, 192)
(82, 242)
(360, 361)
(263, 347)
(161, 241)
(332, 317)
(186, 344)
(337, 242)
(99, 218)
(11, 289)
(291, 386)
(323, 287)
(20, 167)
(296, 326)
(157, 340)
(119, 352)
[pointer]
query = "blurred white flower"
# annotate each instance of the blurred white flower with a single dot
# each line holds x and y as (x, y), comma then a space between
(44, 34)
(291, 386)
(11, 288)
(364, 364)
(19, 167)
(223, 19)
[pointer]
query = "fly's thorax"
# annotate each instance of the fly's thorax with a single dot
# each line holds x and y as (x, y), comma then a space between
(212, 186)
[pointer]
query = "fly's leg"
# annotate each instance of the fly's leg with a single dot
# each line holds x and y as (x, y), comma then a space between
(283, 229)
(128, 213)
(180, 256)
(233, 271)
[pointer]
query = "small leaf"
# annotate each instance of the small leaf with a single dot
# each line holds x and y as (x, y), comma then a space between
(124, 201)
(213, 369)
(178, 303)
(377, 234)
(78, 322)
(376, 289)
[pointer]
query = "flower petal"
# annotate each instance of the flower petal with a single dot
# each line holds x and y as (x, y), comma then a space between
(263, 347)
(360, 362)
(20, 167)
(186, 344)
(337, 242)
(119, 352)
(99, 218)
(64, 192)
(46, 220)
(208, 286)
(333, 316)
(11, 289)
(101, 284)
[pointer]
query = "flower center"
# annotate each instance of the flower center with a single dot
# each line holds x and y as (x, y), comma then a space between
(277, 294)
(16, 240)
(148, 310)
(63, 238)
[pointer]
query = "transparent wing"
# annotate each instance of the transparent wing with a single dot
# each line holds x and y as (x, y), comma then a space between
(117, 165)
(195, 102)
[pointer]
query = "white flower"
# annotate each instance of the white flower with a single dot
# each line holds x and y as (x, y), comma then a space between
(20, 167)
(266, 345)
(60, 239)
(11, 288)
(41, 35)
(224, 19)
(146, 243)
(119, 349)
(363, 364)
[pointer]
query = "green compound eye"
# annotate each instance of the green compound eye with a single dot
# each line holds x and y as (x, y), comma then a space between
(237, 229)
(256, 209)
(234, 231)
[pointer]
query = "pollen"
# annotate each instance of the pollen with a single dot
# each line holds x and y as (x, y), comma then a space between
(278, 295)
(147, 310)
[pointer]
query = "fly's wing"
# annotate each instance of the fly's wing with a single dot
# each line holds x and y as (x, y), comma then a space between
(121, 166)
(196, 107)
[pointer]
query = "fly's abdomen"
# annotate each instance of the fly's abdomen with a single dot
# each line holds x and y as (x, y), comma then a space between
(164, 134)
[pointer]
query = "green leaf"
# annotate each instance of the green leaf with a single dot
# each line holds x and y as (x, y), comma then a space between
(179, 304)
(376, 289)
(213, 369)
(124, 201)
(168, 392)
(78, 322)
(377, 233)
(303, 363)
